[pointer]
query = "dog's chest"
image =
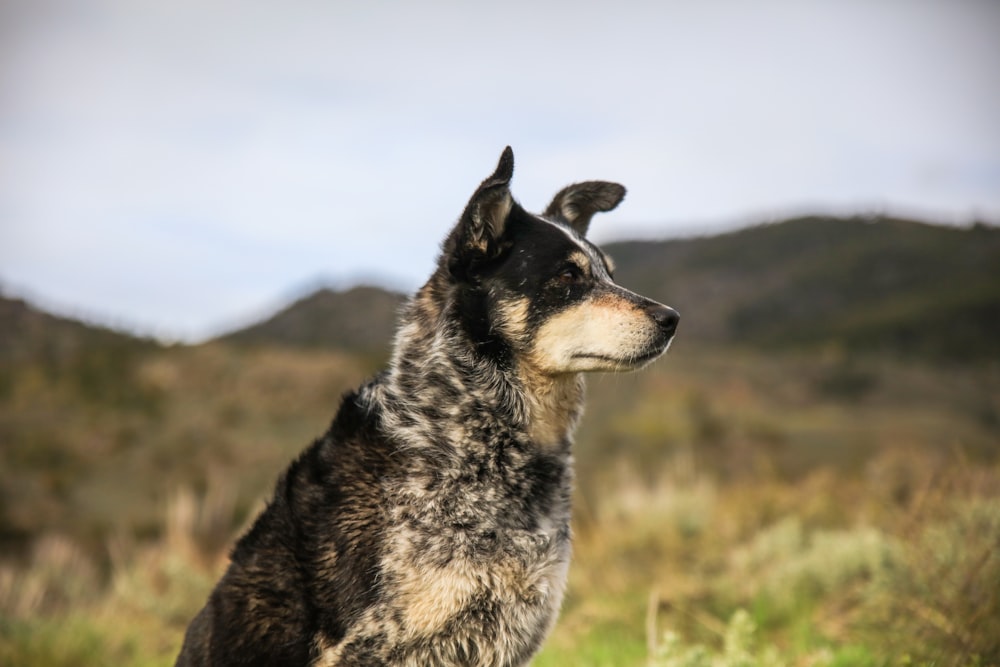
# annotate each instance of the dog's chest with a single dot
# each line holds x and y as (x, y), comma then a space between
(487, 534)
(470, 555)
(510, 579)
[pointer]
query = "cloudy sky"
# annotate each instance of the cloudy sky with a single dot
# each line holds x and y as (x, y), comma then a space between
(182, 167)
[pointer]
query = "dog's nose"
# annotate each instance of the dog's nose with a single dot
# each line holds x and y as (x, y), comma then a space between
(666, 317)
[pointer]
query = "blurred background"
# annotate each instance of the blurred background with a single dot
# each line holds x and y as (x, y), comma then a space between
(210, 212)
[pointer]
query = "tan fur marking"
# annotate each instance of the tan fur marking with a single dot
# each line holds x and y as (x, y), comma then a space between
(581, 260)
(605, 326)
(425, 299)
(554, 403)
(427, 595)
(329, 655)
(429, 599)
(513, 318)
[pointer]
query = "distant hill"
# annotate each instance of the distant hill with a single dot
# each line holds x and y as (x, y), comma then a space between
(97, 363)
(30, 335)
(361, 319)
(866, 284)
(875, 284)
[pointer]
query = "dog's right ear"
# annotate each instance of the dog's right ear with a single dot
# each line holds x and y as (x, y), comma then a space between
(478, 236)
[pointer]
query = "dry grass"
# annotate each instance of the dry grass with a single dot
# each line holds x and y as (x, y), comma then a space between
(807, 516)
(823, 580)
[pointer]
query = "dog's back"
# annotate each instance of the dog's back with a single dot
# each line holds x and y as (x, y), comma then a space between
(430, 525)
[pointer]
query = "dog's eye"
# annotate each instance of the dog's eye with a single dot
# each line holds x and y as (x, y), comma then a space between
(570, 274)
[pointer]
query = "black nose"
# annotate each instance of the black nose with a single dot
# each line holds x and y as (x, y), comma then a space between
(667, 318)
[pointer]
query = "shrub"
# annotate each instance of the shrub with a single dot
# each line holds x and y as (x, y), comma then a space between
(940, 600)
(739, 649)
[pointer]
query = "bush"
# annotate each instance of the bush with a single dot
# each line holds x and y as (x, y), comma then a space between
(940, 601)
(739, 649)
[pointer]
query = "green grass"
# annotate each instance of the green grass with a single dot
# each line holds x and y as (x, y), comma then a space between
(55, 642)
(732, 509)
(914, 581)
(824, 570)
(606, 644)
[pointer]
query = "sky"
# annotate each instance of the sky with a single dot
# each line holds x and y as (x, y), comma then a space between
(183, 168)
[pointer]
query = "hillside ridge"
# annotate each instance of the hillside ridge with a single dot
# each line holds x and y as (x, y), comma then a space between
(870, 284)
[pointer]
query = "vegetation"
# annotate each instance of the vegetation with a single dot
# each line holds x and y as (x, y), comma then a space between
(872, 284)
(825, 503)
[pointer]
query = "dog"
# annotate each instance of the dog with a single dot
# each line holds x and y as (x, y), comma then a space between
(430, 525)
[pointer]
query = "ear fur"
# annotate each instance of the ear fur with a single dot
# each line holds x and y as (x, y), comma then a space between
(576, 204)
(477, 236)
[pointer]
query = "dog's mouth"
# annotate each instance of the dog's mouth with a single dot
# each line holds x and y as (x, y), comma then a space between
(632, 361)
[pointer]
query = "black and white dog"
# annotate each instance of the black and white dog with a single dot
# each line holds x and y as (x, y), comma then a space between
(431, 524)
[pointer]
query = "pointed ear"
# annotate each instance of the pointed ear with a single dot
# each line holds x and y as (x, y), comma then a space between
(486, 214)
(477, 236)
(576, 204)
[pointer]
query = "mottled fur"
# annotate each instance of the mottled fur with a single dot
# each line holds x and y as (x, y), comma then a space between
(430, 524)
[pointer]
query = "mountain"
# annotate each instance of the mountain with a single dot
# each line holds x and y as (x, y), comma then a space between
(97, 362)
(94, 364)
(867, 284)
(361, 319)
(30, 335)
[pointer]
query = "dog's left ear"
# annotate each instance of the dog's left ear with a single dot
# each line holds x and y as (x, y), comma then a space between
(477, 237)
(576, 204)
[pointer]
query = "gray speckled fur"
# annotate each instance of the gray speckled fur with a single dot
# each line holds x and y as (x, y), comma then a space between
(431, 524)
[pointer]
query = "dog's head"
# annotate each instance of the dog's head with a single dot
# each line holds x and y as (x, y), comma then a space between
(533, 289)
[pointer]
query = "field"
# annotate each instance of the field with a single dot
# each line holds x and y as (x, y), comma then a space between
(734, 507)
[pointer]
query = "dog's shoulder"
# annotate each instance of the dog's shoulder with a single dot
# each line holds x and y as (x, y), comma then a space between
(309, 563)
(332, 477)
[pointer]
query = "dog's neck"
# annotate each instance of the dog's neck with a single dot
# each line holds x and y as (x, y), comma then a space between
(555, 403)
(437, 381)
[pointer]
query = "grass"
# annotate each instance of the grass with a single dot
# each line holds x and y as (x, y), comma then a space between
(882, 582)
(647, 589)
(731, 509)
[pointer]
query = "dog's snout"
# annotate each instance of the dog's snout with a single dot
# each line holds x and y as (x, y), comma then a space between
(667, 318)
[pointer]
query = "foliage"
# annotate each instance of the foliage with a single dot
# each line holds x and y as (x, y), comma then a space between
(88, 465)
(821, 503)
(940, 599)
(843, 525)
(739, 649)
(867, 284)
